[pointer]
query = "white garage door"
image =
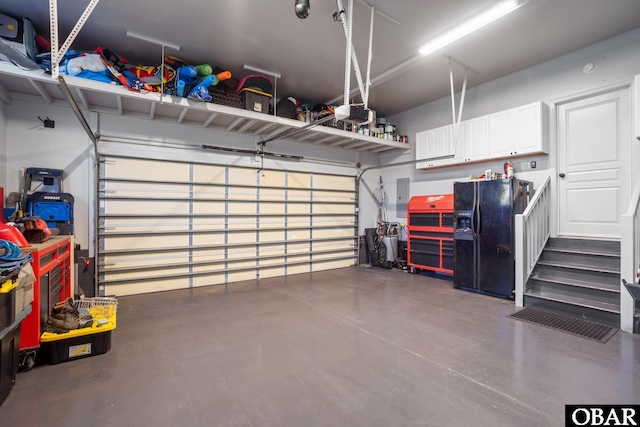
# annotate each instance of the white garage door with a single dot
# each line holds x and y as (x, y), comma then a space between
(171, 225)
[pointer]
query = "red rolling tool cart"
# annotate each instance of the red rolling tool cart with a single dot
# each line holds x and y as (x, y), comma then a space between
(52, 268)
(430, 233)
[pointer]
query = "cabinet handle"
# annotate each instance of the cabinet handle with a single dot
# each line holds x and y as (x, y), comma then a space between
(561, 175)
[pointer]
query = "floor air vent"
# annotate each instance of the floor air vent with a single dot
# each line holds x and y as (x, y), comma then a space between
(579, 327)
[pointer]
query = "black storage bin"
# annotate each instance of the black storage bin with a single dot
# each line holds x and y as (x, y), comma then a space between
(7, 305)
(10, 354)
(67, 349)
(255, 102)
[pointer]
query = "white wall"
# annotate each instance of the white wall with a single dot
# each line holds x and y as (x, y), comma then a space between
(65, 147)
(617, 60)
(3, 146)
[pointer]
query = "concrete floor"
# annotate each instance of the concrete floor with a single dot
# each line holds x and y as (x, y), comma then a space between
(351, 347)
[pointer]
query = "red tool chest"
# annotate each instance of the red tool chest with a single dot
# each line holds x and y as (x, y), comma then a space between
(52, 268)
(430, 233)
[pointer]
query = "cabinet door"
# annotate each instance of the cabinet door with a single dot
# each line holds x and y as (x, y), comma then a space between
(424, 149)
(501, 133)
(441, 141)
(422, 144)
(477, 136)
(460, 144)
(529, 129)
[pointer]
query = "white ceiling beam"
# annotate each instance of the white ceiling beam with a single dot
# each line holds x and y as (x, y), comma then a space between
(305, 136)
(246, 126)
(82, 98)
(277, 131)
(183, 113)
(356, 144)
(41, 90)
(325, 139)
(263, 128)
(234, 123)
(210, 119)
(341, 141)
(4, 94)
(381, 149)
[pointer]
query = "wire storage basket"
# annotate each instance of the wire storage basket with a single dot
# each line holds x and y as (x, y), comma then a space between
(98, 307)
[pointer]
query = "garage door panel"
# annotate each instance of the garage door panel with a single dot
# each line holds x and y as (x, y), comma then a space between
(227, 224)
(146, 170)
(149, 286)
(330, 265)
(210, 279)
(115, 262)
(148, 242)
(332, 182)
(242, 275)
(211, 208)
(333, 209)
(209, 174)
(236, 208)
(144, 207)
(266, 272)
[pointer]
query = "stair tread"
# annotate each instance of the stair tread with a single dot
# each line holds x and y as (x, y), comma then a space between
(584, 252)
(577, 283)
(581, 302)
(578, 266)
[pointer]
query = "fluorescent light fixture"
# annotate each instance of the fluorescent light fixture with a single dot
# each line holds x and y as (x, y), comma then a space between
(152, 40)
(470, 26)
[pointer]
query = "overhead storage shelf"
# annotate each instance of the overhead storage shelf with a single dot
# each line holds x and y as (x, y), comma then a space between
(117, 100)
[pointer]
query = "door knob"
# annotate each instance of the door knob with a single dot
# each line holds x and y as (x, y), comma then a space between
(561, 175)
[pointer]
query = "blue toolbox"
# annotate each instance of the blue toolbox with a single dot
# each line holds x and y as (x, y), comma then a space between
(56, 209)
(45, 198)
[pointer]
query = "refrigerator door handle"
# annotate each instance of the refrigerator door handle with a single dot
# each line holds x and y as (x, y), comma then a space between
(475, 221)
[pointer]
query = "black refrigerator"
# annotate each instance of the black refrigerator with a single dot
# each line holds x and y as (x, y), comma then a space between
(484, 234)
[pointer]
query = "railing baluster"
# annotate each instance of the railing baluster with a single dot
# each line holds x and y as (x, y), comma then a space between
(532, 231)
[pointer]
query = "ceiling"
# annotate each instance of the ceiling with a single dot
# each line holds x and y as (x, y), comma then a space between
(310, 53)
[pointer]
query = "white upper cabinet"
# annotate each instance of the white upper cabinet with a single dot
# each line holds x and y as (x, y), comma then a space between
(515, 132)
(433, 144)
(477, 136)
(519, 131)
(530, 129)
(501, 134)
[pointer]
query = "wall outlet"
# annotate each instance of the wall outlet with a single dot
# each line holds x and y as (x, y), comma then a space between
(533, 165)
(524, 166)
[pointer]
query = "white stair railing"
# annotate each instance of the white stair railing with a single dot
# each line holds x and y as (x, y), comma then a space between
(629, 257)
(531, 233)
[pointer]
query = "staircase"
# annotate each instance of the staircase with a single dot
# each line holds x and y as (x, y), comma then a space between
(578, 278)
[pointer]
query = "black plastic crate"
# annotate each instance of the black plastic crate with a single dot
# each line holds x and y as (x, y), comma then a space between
(67, 349)
(223, 96)
(255, 102)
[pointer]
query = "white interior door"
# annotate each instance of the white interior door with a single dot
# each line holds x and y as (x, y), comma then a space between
(594, 151)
